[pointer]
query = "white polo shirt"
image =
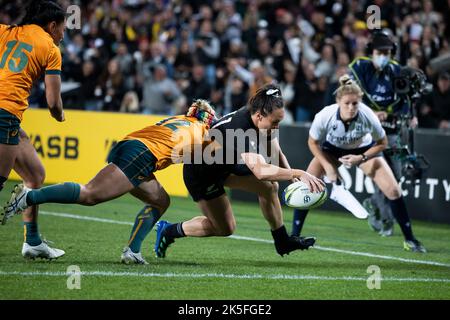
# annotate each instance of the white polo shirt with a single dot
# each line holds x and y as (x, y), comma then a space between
(358, 133)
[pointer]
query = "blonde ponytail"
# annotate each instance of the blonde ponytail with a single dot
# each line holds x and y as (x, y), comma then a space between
(347, 86)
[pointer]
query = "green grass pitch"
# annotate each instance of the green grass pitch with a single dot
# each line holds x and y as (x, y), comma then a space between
(245, 266)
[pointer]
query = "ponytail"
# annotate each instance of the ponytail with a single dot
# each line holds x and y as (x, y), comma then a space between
(202, 110)
(347, 86)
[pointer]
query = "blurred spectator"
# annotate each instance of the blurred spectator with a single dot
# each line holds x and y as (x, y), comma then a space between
(239, 44)
(250, 25)
(330, 96)
(73, 58)
(264, 55)
(88, 98)
(207, 50)
(126, 67)
(157, 57)
(287, 86)
(112, 87)
(184, 60)
(130, 103)
(429, 44)
(159, 91)
(325, 66)
(435, 111)
(236, 94)
(255, 77)
(198, 88)
(232, 18)
(429, 16)
(304, 105)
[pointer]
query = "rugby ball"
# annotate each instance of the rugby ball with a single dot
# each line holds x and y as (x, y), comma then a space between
(297, 195)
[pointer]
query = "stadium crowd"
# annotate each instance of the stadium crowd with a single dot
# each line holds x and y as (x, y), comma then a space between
(155, 57)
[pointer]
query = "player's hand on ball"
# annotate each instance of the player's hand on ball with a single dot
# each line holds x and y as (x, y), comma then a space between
(315, 184)
(295, 180)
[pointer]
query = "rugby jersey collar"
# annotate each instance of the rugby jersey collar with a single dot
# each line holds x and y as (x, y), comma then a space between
(348, 123)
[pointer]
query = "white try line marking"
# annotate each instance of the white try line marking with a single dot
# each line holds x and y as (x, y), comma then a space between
(356, 253)
(211, 275)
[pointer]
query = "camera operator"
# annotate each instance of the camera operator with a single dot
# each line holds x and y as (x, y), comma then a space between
(376, 76)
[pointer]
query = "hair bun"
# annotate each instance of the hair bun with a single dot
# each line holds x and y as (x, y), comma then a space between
(345, 80)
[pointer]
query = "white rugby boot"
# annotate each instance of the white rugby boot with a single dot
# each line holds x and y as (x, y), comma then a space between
(129, 257)
(41, 251)
(17, 203)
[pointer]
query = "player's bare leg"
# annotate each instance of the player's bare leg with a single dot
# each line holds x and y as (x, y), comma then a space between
(8, 155)
(217, 220)
(156, 202)
(30, 169)
(267, 192)
(108, 184)
(379, 171)
(269, 202)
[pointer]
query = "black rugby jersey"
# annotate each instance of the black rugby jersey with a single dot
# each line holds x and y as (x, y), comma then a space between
(237, 134)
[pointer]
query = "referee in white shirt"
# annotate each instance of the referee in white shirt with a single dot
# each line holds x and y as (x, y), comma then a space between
(350, 133)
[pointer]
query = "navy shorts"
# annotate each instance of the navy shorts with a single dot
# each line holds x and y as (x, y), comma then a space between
(9, 128)
(336, 152)
(134, 159)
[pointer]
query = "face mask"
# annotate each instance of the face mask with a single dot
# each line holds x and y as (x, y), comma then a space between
(380, 61)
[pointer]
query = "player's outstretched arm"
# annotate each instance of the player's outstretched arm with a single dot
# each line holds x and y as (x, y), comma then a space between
(53, 96)
(264, 171)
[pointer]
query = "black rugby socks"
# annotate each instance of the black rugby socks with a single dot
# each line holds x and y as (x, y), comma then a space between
(174, 230)
(400, 213)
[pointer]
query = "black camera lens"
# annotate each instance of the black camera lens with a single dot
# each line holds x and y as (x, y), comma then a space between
(401, 85)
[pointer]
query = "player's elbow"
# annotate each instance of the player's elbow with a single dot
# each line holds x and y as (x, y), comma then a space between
(257, 173)
(383, 143)
(260, 170)
(260, 173)
(313, 144)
